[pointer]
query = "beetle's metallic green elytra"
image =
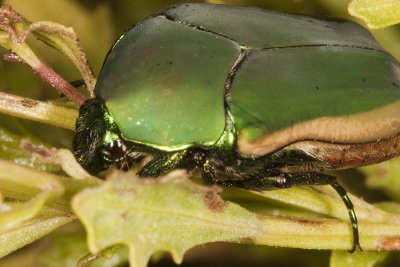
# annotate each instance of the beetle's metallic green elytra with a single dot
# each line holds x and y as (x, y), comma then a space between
(253, 98)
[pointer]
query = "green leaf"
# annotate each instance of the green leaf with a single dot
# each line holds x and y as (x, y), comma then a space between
(69, 248)
(22, 212)
(113, 256)
(34, 204)
(30, 231)
(376, 13)
(357, 259)
(384, 176)
(170, 214)
(173, 214)
(25, 152)
(324, 200)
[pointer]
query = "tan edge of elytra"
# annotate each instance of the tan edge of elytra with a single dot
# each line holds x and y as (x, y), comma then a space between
(364, 127)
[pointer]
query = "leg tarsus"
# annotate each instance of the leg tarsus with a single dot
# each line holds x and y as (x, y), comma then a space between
(350, 208)
(323, 179)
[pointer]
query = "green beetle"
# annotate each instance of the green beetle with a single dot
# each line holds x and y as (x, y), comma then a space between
(252, 98)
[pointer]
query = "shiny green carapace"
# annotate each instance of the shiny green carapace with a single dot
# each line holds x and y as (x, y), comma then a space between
(252, 98)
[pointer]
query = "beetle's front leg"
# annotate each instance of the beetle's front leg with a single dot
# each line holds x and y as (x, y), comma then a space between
(288, 180)
(162, 164)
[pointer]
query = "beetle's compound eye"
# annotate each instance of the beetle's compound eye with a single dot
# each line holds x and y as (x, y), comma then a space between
(115, 151)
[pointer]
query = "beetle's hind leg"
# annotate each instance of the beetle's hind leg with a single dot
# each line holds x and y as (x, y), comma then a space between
(288, 180)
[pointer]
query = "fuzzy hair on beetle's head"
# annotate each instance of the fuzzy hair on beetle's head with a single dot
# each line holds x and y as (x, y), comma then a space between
(88, 140)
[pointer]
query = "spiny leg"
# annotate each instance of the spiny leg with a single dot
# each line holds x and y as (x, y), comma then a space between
(162, 164)
(288, 180)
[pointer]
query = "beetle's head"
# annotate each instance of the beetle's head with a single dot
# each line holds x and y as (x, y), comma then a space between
(88, 141)
(97, 143)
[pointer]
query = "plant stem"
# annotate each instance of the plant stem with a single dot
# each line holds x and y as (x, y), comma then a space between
(48, 113)
(60, 84)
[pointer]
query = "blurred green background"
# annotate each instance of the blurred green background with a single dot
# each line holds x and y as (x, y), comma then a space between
(98, 23)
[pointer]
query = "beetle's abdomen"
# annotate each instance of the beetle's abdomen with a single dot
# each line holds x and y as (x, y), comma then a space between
(164, 84)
